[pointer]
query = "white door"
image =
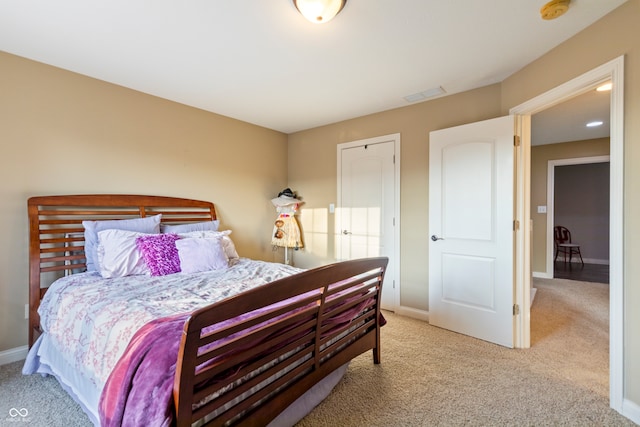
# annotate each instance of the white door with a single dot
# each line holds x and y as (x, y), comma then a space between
(366, 225)
(471, 222)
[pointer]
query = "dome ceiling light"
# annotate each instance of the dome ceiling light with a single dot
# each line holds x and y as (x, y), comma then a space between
(319, 11)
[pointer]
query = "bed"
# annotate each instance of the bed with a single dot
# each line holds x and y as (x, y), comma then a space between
(239, 342)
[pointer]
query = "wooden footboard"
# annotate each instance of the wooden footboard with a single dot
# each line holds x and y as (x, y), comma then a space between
(303, 328)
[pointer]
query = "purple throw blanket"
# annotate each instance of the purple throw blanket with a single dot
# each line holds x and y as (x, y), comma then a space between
(139, 391)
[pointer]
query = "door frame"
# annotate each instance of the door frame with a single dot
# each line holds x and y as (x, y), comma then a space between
(614, 71)
(395, 137)
(551, 173)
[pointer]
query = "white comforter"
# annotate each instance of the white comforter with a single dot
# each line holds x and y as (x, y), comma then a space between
(91, 320)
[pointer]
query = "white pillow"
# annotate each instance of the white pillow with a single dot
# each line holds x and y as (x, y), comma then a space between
(118, 254)
(194, 226)
(150, 224)
(200, 254)
(227, 243)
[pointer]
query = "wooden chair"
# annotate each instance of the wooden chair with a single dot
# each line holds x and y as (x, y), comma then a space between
(564, 245)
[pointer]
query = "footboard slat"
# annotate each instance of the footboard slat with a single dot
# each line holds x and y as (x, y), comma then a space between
(249, 354)
(245, 324)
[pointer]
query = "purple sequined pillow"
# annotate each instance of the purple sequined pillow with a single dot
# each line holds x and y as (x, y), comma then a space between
(159, 253)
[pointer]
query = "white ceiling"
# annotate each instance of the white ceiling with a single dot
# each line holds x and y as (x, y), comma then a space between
(261, 62)
(568, 121)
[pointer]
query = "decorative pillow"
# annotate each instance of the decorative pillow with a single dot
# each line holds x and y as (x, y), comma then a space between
(149, 225)
(227, 243)
(117, 254)
(160, 253)
(230, 250)
(198, 254)
(186, 228)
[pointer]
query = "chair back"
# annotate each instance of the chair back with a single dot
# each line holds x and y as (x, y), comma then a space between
(561, 235)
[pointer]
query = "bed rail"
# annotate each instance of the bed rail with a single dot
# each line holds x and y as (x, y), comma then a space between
(56, 234)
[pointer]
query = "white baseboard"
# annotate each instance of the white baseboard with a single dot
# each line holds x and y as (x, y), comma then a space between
(533, 295)
(575, 260)
(631, 410)
(13, 354)
(413, 313)
(541, 275)
(592, 261)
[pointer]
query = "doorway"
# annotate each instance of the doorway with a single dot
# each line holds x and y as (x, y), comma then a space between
(578, 198)
(614, 71)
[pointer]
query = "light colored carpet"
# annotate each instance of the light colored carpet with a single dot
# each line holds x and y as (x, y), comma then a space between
(45, 402)
(433, 377)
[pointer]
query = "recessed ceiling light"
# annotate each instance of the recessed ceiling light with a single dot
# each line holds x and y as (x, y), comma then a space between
(594, 124)
(605, 87)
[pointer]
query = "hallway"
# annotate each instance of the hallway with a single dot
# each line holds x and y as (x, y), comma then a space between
(587, 273)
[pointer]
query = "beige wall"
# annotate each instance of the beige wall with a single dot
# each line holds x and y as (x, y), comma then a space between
(62, 133)
(312, 172)
(540, 156)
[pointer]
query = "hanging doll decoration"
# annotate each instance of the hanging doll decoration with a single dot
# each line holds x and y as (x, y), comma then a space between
(286, 232)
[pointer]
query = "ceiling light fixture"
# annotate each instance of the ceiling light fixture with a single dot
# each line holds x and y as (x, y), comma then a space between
(554, 9)
(594, 124)
(319, 11)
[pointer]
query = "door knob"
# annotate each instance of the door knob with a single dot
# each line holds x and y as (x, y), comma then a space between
(436, 238)
(345, 232)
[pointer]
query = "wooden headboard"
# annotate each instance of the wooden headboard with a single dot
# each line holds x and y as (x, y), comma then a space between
(56, 234)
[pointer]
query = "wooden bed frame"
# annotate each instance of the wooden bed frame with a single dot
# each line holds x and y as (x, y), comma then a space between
(295, 334)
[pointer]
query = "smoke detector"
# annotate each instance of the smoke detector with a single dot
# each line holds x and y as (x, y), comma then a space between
(554, 9)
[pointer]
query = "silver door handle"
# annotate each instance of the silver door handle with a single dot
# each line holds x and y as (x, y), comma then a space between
(345, 232)
(436, 238)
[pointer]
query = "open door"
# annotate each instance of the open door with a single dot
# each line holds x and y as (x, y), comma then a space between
(471, 222)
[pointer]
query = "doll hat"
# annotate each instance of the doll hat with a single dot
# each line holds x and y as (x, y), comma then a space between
(285, 197)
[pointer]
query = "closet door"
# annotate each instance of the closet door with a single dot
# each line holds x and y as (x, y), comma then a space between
(367, 205)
